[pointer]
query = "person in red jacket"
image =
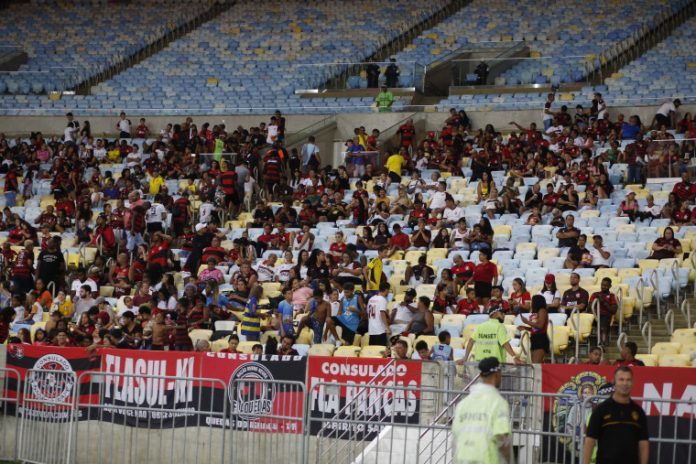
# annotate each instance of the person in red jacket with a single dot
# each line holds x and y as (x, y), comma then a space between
(104, 235)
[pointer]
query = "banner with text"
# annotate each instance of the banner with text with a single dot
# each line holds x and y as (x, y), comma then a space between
(394, 388)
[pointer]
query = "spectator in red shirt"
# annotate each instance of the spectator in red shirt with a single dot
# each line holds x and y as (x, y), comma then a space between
(484, 277)
(607, 307)
(468, 305)
(520, 299)
(628, 356)
(684, 189)
(399, 241)
(338, 247)
(462, 270)
(666, 246)
(497, 301)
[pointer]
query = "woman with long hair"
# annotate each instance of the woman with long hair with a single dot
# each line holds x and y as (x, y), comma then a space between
(538, 324)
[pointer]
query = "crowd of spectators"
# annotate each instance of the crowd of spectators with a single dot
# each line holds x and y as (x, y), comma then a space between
(246, 212)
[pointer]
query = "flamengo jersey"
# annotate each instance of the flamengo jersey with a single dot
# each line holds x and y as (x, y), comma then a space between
(375, 306)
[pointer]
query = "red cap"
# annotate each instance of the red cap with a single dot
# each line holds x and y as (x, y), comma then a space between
(549, 279)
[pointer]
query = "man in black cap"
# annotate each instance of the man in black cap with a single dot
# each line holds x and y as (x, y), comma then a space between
(481, 425)
(491, 339)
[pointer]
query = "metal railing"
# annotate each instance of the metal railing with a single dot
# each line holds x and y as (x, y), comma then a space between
(669, 321)
(655, 282)
(685, 309)
(647, 327)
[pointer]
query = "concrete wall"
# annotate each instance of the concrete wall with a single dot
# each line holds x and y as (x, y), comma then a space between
(22, 125)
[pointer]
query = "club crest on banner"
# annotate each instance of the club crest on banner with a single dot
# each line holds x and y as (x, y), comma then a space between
(567, 414)
(52, 379)
(251, 391)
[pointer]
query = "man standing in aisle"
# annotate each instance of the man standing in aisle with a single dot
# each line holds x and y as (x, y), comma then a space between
(618, 426)
(377, 318)
(481, 425)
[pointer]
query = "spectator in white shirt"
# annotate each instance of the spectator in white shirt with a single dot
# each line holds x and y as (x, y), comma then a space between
(71, 129)
(451, 214)
(377, 318)
(155, 215)
(437, 202)
(666, 115)
(600, 255)
(266, 271)
(124, 126)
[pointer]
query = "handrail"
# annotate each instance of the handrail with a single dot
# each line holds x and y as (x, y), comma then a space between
(647, 339)
(685, 308)
(51, 286)
(640, 291)
(620, 301)
(675, 277)
(692, 261)
(552, 337)
(525, 337)
(597, 314)
(669, 321)
(301, 135)
(655, 282)
(577, 332)
(621, 340)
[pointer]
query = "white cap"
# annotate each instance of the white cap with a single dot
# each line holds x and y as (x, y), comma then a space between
(200, 226)
(629, 191)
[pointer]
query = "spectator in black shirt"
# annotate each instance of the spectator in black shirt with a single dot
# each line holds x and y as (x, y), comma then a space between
(618, 426)
(533, 198)
(568, 235)
(579, 256)
(263, 214)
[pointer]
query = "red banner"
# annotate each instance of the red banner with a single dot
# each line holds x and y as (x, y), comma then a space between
(327, 402)
(656, 383)
(56, 388)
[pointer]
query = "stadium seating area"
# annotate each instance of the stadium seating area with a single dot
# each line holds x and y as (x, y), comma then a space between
(247, 61)
(667, 70)
(101, 34)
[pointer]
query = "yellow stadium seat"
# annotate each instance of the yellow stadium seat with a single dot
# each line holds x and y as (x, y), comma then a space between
(585, 325)
(271, 289)
(685, 336)
(322, 349)
(528, 246)
(306, 337)
(219, 345)
(645, 264)
(648, 359)
(429, 339)
(374, 351)
(689, 349)
(458, 342)
(661, 348)
(435, 254)
(106, 291)
(452, 320)
(200, 334)
(347, 351)
(561, 339)
(628, 272)
(625, 228)
(72, 260)
(468, 331)
(400, 266)
(413, 256)
(426, 290)
(502, 230)
(589, 213)
(674, 360)
(246, 347)
(606, 272)
(545, 253)
(437, 318)
(89, 254)
(510, 318)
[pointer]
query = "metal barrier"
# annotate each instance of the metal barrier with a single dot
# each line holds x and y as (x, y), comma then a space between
(669, 321)
(267, 433)
(640, 292)
(655, 282)
(46, 416)
(536, 435)
(156, 419)
(9, 426)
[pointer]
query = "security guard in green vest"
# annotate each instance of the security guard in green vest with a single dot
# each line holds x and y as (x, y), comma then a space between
(490, 339)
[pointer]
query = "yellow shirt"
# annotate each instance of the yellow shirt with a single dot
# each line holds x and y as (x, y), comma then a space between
(394, 163)
(374, 274)
(489, 339)
(114, 156)
(479, 419)
(156, 184)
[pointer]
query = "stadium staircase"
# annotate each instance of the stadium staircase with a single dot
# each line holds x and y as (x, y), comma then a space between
(650, 40)
(84, 88)
(400, 42)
